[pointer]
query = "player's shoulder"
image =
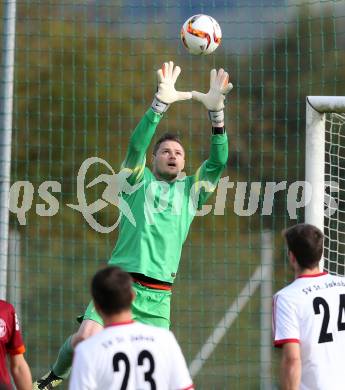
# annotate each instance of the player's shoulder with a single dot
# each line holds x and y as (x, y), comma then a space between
(335, 284)
(6, 306)
(308, 285)
(154, 332)
(336, 279)
(288, 290)
(8, 314)
(150, 328)
(290, 295)
(93, 342)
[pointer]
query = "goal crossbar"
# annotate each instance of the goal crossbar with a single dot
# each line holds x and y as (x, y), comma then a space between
(325, 104)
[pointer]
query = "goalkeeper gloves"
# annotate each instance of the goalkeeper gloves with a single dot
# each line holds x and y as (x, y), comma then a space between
(213, 100)
(167, 93)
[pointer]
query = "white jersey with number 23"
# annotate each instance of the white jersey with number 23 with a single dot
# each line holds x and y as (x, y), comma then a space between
(311, 311)
(130, 356)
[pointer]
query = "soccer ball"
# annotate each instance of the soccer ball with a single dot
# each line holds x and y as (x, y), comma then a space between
(201, 34)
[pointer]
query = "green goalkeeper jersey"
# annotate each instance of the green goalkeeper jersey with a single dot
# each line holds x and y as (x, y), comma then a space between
(151, 244)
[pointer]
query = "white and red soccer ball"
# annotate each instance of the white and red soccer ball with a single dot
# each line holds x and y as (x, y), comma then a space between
(201, 34)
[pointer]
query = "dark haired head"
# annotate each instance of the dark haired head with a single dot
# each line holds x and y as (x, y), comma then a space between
(166, 137)
(306, 243)
(111, 290)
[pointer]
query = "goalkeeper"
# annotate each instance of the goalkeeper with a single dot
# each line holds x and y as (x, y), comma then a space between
(151, 250)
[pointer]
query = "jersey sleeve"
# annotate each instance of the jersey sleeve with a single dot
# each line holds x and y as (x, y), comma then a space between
(180, 378)
(208, 174)
(15, 345)
(82, 377)
(139, 142)
(284, 321)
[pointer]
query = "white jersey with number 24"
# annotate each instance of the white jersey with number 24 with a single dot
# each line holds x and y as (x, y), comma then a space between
(311, 311)
(130, 356)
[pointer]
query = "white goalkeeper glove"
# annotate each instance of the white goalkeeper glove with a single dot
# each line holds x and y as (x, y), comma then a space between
(213, 100)
(167, 93)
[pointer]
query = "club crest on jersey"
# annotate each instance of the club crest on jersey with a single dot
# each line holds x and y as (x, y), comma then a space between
(3, 328)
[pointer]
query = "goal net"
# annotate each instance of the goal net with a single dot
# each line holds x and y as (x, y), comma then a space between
(325, 145)
(334, 252)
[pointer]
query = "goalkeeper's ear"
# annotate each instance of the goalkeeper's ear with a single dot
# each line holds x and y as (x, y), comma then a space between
(133, 295)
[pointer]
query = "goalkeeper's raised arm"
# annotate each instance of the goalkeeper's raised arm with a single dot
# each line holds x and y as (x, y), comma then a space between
(141, 138)
(210, 171)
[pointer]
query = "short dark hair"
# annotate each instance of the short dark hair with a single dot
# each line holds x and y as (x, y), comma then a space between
(166, 137)
(111, 290)
(306, 243)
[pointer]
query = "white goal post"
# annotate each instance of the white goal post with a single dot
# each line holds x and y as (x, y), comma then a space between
(325, 147)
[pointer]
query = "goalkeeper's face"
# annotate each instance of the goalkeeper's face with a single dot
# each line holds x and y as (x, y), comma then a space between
(168, 161)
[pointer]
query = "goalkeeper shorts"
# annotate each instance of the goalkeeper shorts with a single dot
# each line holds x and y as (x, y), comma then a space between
(150, 306)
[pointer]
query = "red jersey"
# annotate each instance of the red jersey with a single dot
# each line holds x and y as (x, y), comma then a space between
(11, 341)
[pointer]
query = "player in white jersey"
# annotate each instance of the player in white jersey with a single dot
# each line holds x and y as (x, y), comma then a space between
(309, 317)
(126, 355)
